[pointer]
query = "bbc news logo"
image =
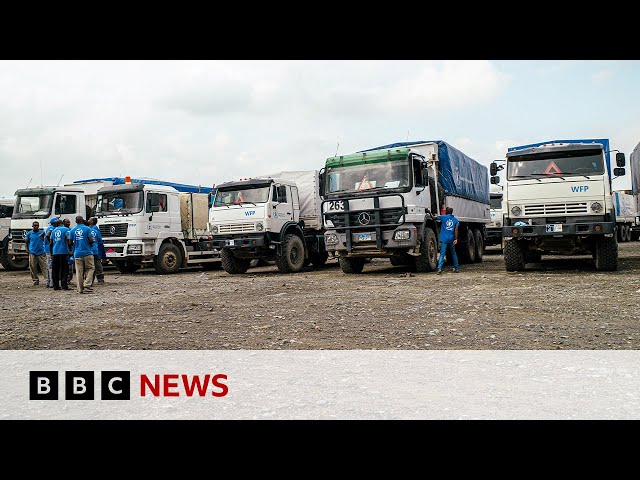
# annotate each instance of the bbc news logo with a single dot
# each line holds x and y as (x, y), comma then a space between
(116, 385)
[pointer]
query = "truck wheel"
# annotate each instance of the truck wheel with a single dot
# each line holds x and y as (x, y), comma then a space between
(619, 233)
(427, 261)
(169, 259)
(318, 259)
(232, 264)
(351, 265)
(126, 266)
(291, 258)
(628, 233)
(9, 262)
(513, 256)
(635, 235)
(466, 248)
(477, 235)
(606, 254)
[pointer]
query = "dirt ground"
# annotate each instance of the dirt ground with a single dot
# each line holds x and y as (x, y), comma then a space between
(560, 303)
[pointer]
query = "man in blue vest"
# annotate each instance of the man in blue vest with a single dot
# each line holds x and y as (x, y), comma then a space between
(81, 239)
(34, 240)
(448, 238)
(60, 253)
(47, 250)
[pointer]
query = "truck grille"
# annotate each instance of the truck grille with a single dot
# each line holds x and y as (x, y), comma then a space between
(236, 228)
(389, 216)
(17, 235)
(114, 230)
(555, 209)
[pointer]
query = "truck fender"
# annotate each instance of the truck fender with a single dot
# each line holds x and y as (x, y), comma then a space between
(177, 243)
(290, 227)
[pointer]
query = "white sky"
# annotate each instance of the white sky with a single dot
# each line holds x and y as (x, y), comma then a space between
(206, 122)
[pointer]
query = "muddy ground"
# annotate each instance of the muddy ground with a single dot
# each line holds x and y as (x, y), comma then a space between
(560, 303)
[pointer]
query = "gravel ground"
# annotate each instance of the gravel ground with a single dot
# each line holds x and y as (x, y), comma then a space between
(560, 303)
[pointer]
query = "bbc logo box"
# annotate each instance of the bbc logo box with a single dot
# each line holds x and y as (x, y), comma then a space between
(79, 385)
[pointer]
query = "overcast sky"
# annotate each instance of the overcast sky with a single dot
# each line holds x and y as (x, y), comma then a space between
(206, 122)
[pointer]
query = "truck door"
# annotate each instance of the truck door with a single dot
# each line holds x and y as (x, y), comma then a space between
(66, 206)
(295, 201)
(157, 209)
(282, 207)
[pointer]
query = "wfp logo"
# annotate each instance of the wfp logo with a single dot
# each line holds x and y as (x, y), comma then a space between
(78, 234)
(248, 213)
(449, 224)
(580, 188)
(57, 234)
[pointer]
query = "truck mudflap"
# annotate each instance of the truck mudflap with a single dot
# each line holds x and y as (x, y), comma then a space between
(371, 221)
(555, 229)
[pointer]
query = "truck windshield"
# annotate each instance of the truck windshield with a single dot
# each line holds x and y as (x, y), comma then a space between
(355, 178)
(240, 196)
(547, 165)
(496, 202)
(33, 206)
(120, 202)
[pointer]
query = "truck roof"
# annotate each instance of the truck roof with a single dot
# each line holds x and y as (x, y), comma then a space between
(45, 190)
(180, 187)
(128, 187)
(368, 156)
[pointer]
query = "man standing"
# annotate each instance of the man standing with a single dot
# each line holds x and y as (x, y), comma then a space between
(34, 241)
(47, 250)
(81, 238)
(98, 251)
(60, 253)
(448, 238)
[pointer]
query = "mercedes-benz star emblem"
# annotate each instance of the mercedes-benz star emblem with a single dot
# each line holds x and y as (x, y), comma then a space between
(364, 218)
(112, 229)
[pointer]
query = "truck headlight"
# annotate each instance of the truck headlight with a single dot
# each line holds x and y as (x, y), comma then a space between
(498, 224)
(134, 249)
(214, 229)
(517, 211)
(331, 239)
(328, 223)
(596, 207)
(259, 226)
(401, 235)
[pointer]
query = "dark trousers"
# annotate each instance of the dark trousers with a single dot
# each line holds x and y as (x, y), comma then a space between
(60, 270)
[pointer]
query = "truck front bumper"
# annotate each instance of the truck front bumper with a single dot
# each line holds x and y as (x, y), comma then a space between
(369, 244)
(558, 230)
(241, 242)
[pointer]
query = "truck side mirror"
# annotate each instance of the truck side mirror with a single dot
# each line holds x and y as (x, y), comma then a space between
(619, 172)
(493, 169)
(620, 160)
(495, 179)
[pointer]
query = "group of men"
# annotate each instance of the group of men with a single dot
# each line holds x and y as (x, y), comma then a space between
(58, 246)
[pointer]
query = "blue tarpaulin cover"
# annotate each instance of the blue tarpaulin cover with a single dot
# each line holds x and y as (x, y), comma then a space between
(603, 141)
(458, 173)
(148, 181)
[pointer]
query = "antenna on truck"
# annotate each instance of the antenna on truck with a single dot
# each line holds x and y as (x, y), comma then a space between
(337, 145)
(60, 179)
(29, 182)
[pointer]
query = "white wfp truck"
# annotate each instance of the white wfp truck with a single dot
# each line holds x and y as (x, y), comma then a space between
(272, 217)
(155, 224)
(557, 200)
(378, 203)
(7, 260)
(43, 204)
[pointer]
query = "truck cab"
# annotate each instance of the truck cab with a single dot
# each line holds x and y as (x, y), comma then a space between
(8, 260)
(269, 218)
(42, 204)
(558, 200)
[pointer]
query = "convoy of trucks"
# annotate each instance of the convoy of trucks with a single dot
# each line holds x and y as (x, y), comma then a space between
(557, 200)
(378, 203)
(272, 217)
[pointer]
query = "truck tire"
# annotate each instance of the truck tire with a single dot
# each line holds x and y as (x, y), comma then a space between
(619, 232)
(627, 233)
(513, 256)
(635, 235)
(427, 261)
(351, 265)
(318, 259)
(126, 266)
(232, 264)
(9, 262)
(477, 235)
(466, 248)
(168, 260)
(606, 254)
(291, 258)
